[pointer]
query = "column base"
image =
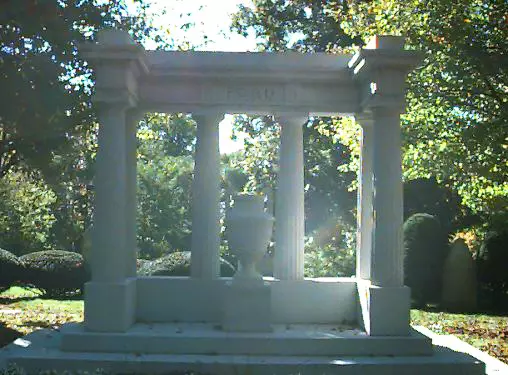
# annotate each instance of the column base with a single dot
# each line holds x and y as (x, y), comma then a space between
(247, 307)
(110, 306)
(384, 310)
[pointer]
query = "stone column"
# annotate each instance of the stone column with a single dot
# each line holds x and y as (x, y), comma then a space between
(205, 262)
(109, 258)
(387, 253)
(110, 295)
(133, 118)
(380, 71)
(364, 213)
(289, 203)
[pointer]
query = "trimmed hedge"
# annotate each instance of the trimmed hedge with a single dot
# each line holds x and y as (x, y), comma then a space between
(11, 269)
(177, 264)
(57, 273)
(492, 260)
(425, 250)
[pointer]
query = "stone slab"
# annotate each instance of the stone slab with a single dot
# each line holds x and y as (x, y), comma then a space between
(384, 310)
(110, 307)
(247, 307)
(180, 338)
(43, 353)
(320, 300)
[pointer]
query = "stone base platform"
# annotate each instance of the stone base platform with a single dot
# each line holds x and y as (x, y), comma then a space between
(209, 339)
(42, 350)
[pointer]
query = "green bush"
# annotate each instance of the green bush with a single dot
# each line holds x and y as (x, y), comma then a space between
(11, 269)
(330, 250)
(425, 250)
(492, 260)
(57, 273)
(176, 264)
(329, 261)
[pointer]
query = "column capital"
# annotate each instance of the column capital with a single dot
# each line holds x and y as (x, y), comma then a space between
(117, 105)
(207, 118)
(380, 70)
(118, 63)
(365, 119)
(292, 119)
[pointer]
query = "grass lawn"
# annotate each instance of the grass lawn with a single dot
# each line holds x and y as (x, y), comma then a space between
(485, 332)
(22, 311)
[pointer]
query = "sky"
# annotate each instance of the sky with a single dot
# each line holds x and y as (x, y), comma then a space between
(207, 28)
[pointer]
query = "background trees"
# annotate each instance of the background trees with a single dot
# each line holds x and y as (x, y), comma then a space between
(47, 125)
(455, 133)
(455, 126)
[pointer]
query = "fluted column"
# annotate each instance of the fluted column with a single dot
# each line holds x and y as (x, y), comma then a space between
(109, 258)
(289, 203)
(364, 204)
(132, 121)
(387, 256)
(205, 262)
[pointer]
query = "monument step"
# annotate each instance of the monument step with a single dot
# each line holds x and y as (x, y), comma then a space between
(40, 351)
(207, 339)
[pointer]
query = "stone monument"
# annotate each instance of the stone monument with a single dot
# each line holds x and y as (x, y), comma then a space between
(205, 323)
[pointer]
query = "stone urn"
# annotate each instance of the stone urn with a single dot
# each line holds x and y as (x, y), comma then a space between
(248, 230)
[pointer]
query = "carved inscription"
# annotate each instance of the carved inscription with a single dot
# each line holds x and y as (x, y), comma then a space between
(259, 94)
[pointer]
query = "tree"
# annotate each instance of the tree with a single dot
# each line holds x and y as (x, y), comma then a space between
(165, 171)
(303, 25)
(48, 101)
(47, 123)
(306, 26)
(455, 126)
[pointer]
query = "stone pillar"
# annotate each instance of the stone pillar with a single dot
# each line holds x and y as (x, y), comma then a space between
(110, 295)
(109, 260)
(365, 215)
(205, 262)
(387, 253)
(289, 203)
(380, 72)
(133, 118)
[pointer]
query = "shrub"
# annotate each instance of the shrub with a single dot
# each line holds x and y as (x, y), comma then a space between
(11, 269)
(57, 273)
(425, 249)
(176, 264)
(492, 260)
(329, 261)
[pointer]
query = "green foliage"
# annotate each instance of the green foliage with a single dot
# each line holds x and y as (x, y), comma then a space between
(330, 251)
(177, 264)
(48, 103)
(305, 25)
(492, 260)
(425, 250)
(11, 269)
(455, 126)
(438, 200)
(165, 173)
(57, 273)
(326, 193)
(47, 123)
(328, 261)
(26, 213)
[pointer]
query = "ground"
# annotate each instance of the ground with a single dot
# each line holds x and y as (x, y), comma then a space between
(21, 312)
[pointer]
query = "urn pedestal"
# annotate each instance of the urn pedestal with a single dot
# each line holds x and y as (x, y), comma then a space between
(247, 301)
